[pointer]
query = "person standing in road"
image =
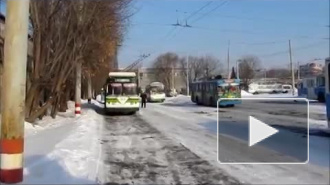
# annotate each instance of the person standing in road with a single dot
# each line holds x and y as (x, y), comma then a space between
(144, 100)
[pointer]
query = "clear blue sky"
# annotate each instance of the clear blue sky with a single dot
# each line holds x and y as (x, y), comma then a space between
(258, 27)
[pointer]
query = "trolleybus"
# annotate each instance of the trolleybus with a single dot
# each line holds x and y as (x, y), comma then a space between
(155, 92)
(327, 88)
(208, 92)
(120, 93)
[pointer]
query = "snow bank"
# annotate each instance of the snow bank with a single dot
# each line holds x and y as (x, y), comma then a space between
(245, 93)
(66, 154)
(31, 129)
(100, 98)
(60, 119)
(180, 99)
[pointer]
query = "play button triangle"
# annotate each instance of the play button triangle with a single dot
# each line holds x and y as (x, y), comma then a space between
(259, 131)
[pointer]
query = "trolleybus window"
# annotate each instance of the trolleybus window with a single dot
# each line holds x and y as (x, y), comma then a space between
(129, 89)
(233, 89)
(115, 89)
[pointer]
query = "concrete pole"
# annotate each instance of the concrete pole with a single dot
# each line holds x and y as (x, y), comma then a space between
(78, 74)
(13, 92)
(237, 68)
(292, 69)
(298, 71)
(78, 89)
(187, 75)
(89, 88)
(172, 77)
(228, 60)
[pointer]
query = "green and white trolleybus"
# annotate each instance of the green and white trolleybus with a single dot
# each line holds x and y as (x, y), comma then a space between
(121, 93)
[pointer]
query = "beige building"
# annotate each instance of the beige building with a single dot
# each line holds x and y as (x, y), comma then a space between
(148, 75)
(310, 69)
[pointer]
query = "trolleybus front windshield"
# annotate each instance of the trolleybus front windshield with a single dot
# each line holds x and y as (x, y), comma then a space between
(129, 89)
(115, 89)
(155, 90)
(231, 89)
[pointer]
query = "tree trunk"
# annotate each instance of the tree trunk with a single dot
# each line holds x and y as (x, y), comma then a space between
(42, 109)
(89, 88)
(55, 108)
(63, 106)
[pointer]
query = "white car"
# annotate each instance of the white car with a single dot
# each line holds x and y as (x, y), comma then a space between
(286, 88)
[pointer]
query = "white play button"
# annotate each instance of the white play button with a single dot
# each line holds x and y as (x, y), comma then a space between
(259, 131)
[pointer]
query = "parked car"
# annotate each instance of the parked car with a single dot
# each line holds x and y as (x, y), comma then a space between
(286, 88)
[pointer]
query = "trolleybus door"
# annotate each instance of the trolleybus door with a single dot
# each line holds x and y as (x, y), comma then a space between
(327, 88)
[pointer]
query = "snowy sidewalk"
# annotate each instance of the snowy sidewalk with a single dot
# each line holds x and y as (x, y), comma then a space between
(65, 150)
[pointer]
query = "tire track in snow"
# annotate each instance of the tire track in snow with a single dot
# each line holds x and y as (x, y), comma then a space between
(137, 153)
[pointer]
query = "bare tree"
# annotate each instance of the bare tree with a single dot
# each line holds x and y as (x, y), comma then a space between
(278, 73)
(164, 66)
(65, 32)
(201, 67)
(247, 68)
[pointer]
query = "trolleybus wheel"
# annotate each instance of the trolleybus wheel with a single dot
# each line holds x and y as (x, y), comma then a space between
(321, 98)
(197, 101)
(211, 103)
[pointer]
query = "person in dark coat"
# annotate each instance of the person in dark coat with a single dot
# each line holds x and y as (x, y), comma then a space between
(144, 99)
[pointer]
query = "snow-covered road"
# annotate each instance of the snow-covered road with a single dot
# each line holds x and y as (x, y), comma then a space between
(171, 142)
(195, 127)
(137, 153)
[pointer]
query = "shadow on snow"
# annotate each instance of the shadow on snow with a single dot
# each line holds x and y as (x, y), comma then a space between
(40, 169)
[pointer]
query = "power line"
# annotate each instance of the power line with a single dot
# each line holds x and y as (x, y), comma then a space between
(295, 49)
(151, 23)
(200, 9)
(254, 33)
(261, 43)
(209, 12)
(266, 20)
(191, 15)
(237, 31)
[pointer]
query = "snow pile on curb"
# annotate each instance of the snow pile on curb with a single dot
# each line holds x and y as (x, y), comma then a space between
(74, 157)
(99, 98)
(61, 118)
(180, 99)
(245, 93)
(30, 129)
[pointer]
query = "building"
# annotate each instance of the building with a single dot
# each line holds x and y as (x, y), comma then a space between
(310, 69)
(178, 79)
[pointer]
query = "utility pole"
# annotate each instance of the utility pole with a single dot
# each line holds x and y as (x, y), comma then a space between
(237, 68)
(138, 78)
(298, 71)
(13, 92)
(187, 75)
(228, 60)
(78, 89)
(78, 72)
(89, 88)
(292, 69)
(172, 77)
